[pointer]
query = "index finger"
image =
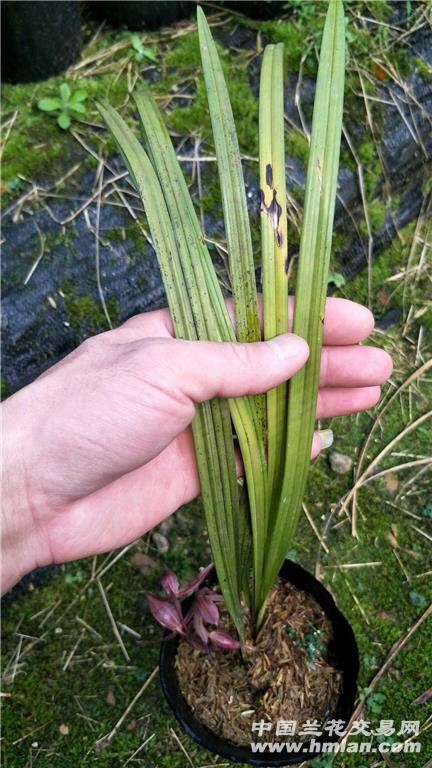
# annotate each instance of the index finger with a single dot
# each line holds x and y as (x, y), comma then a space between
(345, 322)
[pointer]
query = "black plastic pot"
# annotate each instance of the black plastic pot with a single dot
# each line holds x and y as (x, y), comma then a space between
(343, 654)
(142, 14)
(39, 39)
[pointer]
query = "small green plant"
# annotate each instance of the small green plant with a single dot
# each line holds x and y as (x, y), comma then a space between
(69, 105)
(325, 761)
(337, 278)
(139, 51)
(312, 642)
(251, 527)
(374, 702)
(418, 600)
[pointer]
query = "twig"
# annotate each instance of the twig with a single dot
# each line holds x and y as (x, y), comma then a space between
(137, 751)
(97, 250)
(394, 650)
(106, 740)
(112, 620)
(176, 738)
(315, 529)
(42, 240)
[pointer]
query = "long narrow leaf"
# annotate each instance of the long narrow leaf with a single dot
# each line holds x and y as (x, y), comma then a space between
(241, 264)
(201, 273)
(232, 187)
(274, 243)
(211, 426)
(311, 282)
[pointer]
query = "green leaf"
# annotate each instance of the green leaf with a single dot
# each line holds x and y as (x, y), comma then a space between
(241, 263)
(203, 283)
(78, 107)
(311, 282)
(65, 92)
(149, 53)
(142, 51)
(170, 225)
(79, 95)
(337, 279)
(64, 121)
(274, 244)
(49, 105)
(136, 43)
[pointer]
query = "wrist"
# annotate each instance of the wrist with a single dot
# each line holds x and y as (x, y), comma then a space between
(22, 545)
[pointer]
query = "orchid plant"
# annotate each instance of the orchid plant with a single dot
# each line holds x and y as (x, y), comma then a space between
(203, 611)
(251, 525)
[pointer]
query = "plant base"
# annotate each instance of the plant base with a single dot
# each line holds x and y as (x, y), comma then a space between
(305, 668)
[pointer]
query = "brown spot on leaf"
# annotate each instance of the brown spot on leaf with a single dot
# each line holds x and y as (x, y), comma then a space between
(274, 212)
(269, 175)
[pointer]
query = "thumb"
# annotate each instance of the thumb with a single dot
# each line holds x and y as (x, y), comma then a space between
(207, 369)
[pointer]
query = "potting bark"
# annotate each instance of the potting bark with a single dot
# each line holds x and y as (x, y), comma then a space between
(288, 677)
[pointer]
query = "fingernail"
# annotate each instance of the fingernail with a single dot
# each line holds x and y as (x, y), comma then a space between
(325, 438)
(288, 345)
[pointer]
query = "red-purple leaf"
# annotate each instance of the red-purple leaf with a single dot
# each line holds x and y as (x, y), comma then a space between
(206, 607)
(166, 613)
(195, 583)
(223, 640)
(170, 583)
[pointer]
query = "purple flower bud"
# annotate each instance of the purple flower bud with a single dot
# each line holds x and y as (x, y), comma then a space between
(170, 583)
(206, 607)
(166, 613)
(199, 628)
(195, 583)
(223, 640)
(196, 643)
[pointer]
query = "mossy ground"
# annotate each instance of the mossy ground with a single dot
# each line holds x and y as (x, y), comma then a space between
(66, 682)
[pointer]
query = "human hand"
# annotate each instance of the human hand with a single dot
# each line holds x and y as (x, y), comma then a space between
(99, 449)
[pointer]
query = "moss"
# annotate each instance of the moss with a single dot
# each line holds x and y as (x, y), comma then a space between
(189, 119)
(4, 389)
(377, 211)
(36, 146)
(423, 68)
(293, 36)
(36, 149)
(370, 161)
(297, 145)
(85, 315)
(391, 261)
(185, 54)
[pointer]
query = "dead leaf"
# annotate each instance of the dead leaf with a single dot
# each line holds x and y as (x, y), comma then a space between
(424, 697)
(131, 726)
(166, 525)
(383, 298)
(384, 616)
(110, 698)
(379, 72)
(340, 463)
(391, 483)
(392, 540)
(161, 542)
(144, 563)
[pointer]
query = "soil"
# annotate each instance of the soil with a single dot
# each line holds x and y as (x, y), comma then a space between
(288, 677)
